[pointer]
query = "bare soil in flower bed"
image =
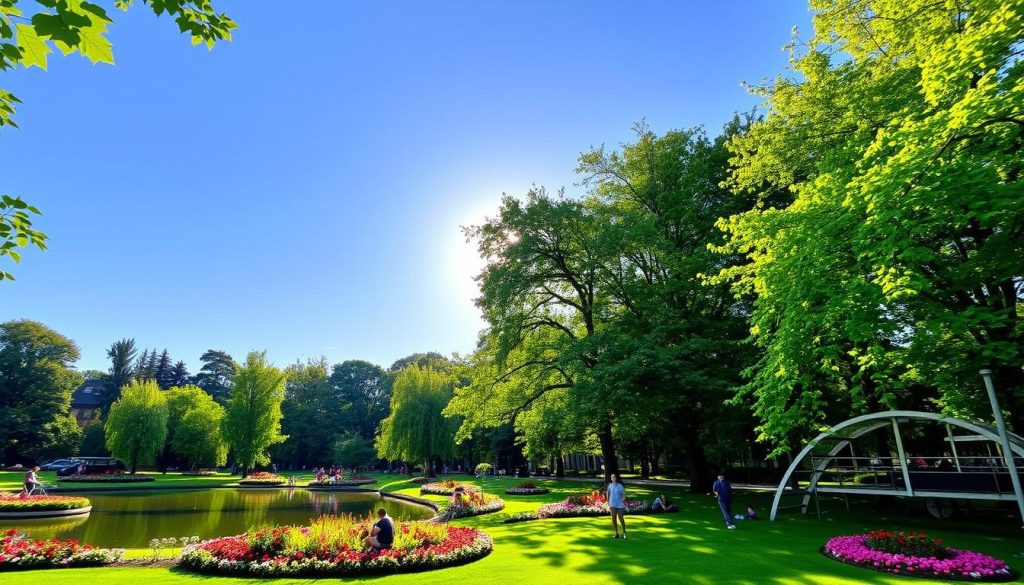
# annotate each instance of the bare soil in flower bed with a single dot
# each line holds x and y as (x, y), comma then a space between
(106, 478)
(332, 546)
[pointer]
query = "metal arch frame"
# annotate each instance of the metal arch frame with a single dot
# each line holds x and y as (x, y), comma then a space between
(884, 418)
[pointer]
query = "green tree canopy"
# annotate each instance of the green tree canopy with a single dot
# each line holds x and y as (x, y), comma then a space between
(900, 261)
(416, 429)
(253, 421)
(197, 436)
(354, 451)
(217, 374)
(137, 424)
(36, 381)
(367, 388)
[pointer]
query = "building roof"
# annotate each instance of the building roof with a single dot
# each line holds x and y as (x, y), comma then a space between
(88, 395)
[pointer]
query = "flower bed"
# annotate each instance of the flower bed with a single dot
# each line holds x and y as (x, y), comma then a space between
(520, 517)
(444, 488)
(347, 482)
(19, 503)
(592, 504)
(200, 473)
(942, 562)
(19, 552)
(106, 478)
(527, 488)
(262, 478)
(333, 546)
(472, 503)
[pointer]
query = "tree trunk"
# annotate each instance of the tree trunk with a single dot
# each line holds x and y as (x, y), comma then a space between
(559, 466)
(700, 469)
(428, 469)
(611, 461)
(655, 463)
(645, 465)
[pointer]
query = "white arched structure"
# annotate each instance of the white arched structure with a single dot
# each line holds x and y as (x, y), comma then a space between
(862, 425)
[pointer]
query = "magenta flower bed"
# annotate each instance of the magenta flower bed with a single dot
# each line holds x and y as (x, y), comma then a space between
(959, 565)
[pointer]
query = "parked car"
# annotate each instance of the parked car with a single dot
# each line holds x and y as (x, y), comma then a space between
(58, 465)
(92, 465)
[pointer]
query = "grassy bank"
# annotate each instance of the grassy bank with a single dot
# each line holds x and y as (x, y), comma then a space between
(691, 546)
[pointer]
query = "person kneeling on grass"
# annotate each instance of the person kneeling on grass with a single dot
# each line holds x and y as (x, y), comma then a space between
(383, 533)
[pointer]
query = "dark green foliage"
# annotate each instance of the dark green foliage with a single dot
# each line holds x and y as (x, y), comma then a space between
(217, 374)
(36, 381)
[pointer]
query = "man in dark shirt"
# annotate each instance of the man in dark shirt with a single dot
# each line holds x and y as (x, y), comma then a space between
(383, 533)
(723, 493)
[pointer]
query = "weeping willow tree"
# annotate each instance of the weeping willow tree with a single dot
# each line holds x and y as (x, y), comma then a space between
(416, 429)
(137, 424)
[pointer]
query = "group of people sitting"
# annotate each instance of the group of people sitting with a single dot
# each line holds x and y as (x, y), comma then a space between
(331, 476)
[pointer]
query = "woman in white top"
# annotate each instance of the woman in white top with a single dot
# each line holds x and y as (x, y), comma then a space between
(617, 504)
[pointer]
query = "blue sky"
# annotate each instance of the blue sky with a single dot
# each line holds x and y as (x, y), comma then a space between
(301, 188)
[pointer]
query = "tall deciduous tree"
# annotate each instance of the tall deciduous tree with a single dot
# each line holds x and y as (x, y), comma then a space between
(416, 429)
(253, 421)
(314, 415)
(36, 381)
(367, 388)
(137, 424)
(542, 298)
(899, 130)
(194, 427)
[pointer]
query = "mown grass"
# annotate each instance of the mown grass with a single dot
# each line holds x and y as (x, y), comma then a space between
(691, 546)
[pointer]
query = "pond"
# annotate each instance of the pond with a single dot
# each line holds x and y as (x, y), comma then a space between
(132, 519)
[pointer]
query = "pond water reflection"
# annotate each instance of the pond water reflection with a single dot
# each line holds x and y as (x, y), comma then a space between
(132, 519)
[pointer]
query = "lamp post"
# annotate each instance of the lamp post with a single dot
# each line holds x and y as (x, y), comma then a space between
(1004, 440)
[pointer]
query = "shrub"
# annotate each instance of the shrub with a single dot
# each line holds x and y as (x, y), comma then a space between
(906, 543)
(19, 552)
(484, 469)
(333, 546)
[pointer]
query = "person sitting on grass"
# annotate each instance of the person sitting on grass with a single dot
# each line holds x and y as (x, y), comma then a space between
(659, 504)
(382, 536)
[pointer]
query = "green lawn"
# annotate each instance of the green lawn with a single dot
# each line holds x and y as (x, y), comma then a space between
(688, 547)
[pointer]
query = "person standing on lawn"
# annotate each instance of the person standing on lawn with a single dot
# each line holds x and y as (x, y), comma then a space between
(723, 493)
(617, 504)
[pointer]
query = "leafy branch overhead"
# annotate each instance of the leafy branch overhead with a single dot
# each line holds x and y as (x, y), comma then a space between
(27, 37)
(16, 230)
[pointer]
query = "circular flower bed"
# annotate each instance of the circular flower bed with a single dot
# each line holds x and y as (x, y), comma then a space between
(262, 478)
(444, 488)
(106, 478)
(347, 482)
(19, 552)
(333, 546)
(472, 503)
(19, 503)
(592, 504)
(527, 488)
(920, 556)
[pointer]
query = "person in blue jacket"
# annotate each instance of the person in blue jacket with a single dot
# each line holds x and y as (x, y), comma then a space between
(723, 493)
